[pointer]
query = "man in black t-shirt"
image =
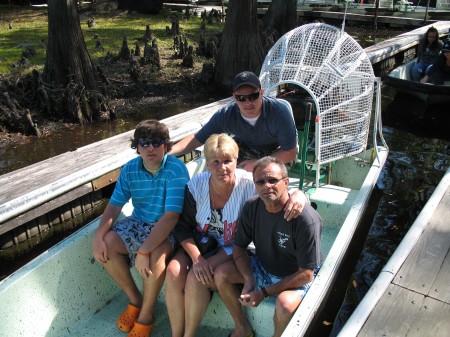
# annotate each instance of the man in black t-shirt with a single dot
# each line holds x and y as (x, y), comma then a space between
(287, 253)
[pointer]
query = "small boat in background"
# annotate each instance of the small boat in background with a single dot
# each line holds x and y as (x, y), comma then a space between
(400, 80)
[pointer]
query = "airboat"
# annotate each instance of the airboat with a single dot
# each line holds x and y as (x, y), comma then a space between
(400, 79)
(64, 292)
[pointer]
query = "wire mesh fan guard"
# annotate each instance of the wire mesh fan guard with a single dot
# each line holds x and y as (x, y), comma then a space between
(333, 68)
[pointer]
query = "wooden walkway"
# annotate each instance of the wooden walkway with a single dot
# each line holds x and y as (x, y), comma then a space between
(367, 19)
(362, 17)
(416, 302)
(402, 42)
(88, 168)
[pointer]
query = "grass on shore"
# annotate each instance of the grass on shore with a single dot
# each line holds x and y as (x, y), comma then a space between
(30, 28)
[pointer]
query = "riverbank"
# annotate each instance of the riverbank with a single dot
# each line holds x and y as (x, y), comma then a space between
(130, 87)
(154, 88)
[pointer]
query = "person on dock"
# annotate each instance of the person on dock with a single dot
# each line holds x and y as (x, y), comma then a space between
(212, 205)
(155, 183)
(439, 72)
(260, 125)
(287, 253)
(427, 53)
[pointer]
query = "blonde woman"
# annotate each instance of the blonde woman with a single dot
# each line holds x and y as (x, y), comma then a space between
(212, 206)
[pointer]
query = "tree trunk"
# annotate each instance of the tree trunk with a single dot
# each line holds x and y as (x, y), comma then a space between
(426, 12)
(241, 47)
(375, 17)
(281, 16)
(67, 60)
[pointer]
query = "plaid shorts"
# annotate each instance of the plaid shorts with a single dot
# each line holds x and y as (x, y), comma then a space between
(264, 279)
(133, 233)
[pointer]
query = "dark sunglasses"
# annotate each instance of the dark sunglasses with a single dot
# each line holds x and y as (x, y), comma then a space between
(148, 142)
(244, 98)
(272, 181)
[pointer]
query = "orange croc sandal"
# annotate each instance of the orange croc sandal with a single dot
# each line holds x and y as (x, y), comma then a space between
(141, 330)
(127, 319)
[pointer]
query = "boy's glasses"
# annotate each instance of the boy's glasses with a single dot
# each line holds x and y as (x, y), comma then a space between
(148, 142)
(244, 98)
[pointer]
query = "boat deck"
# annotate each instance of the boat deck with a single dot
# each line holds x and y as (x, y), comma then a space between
(416, 302)
(64, 292)
(103, 321)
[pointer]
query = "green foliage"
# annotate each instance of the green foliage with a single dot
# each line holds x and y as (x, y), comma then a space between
(30, 28)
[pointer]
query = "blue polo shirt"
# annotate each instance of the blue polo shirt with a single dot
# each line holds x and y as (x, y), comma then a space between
(151, 196)
(274, 128)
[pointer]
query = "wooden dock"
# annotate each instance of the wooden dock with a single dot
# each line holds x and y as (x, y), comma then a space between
(411, 296)
(364, 15)
(35, 190)
(402, 20)
(390, 53)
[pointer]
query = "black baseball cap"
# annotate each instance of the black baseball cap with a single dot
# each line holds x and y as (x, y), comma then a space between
(446, 46)
(246, 78)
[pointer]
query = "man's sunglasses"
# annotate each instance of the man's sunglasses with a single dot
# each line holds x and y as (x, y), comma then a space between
(272, 181)
(244, 98)
(148, 142)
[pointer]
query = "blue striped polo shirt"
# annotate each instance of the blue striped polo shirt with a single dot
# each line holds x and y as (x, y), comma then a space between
(151, 196)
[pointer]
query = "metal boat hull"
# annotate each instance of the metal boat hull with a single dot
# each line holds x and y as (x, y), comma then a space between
(64, 292)
(400, 79)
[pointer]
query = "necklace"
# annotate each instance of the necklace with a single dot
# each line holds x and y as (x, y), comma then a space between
(229, 188)
(227, 195)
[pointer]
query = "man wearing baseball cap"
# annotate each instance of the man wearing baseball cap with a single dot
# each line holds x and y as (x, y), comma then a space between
(260, 125)
(439, 72)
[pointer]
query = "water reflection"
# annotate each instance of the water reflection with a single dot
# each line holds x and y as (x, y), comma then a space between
(30, 150)
(419, 155)
(412, 114)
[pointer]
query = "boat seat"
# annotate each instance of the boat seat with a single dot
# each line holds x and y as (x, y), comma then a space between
(198, 165)
(311, 164)
(289, 107)
(310, 155)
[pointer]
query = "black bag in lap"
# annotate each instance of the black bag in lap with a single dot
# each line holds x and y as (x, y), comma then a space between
(205, 244)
